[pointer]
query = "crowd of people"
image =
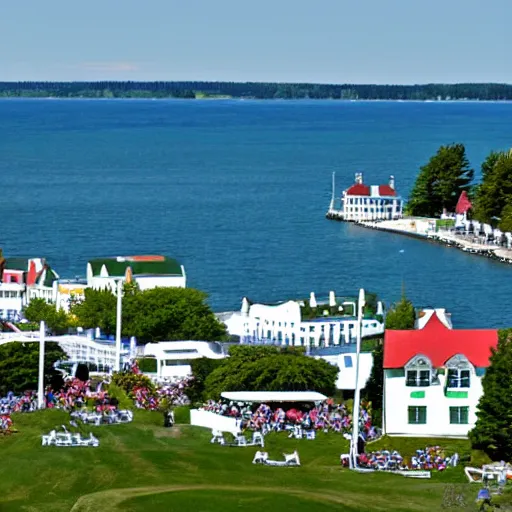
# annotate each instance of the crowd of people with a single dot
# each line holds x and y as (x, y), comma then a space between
(326, 416)
(431, 458)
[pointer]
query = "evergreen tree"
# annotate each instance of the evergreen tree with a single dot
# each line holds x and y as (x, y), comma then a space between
(493, 429)
(401, 315)
(495, 191)
(440, 182)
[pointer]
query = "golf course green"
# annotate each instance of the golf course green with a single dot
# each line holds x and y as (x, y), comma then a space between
(144, 466)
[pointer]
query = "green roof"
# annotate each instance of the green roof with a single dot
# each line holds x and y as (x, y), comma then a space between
(16, 264)
(49, 277)
(164, 266)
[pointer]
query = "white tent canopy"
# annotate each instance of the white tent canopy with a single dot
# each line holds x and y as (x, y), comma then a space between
(273, 396)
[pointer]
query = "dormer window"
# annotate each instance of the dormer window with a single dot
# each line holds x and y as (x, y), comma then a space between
(418, 372)
(459, 372)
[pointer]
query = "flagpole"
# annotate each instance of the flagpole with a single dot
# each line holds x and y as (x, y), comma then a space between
(40, 380)
(357, 392)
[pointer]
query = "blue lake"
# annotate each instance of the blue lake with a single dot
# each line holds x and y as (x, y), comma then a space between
(237, 191)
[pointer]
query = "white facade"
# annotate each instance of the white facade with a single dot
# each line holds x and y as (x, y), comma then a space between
(147, 273)
(347, 369)
(433, 377)
(374, 202)
(437, 399)
(12, 300)
(283, 324)
(66, 291)
(174, 357)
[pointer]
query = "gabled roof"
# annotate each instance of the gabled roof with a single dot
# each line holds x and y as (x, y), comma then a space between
(463, 204)
(438, 343)
(140, 265)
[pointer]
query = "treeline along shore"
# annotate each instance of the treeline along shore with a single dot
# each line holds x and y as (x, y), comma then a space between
(257, 90)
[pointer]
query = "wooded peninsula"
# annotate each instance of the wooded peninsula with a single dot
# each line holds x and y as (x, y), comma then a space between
(257, 90)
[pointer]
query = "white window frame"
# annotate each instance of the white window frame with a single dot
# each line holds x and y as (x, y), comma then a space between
(458, 363)
(419, 364)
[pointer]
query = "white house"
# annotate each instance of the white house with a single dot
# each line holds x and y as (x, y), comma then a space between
(21, 280)
(432, 377)
(313, 323)
(147, 271)
(371, 202)
(173, 358)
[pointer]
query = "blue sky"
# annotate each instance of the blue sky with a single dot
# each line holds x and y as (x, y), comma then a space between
(331, 41)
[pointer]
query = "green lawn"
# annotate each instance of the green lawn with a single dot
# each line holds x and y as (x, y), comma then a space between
(143, 466)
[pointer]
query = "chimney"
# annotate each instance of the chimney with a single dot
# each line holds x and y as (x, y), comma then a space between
(245, 307)
(332, 299)
(312, 300)
(359, 178)
(392, 182)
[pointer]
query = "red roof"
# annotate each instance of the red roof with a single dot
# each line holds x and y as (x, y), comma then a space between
(386, 190)
(463, 204)
(438, 343)
(358, 190)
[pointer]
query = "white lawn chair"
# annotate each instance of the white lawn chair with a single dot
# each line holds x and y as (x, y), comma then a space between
(260, 458)
(217, 437)
(48, 440)
(240, 440)
(257, 438)
(310, 435)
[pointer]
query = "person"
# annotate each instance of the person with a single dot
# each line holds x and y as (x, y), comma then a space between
(168, 418)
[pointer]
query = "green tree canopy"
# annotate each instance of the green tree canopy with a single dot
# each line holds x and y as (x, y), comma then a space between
(401, 316)
(440, 182)
(19, 366)
(38, 310)
(493, 429)
(201, 368)
(270, 368)
(159, 314)
(494, 194)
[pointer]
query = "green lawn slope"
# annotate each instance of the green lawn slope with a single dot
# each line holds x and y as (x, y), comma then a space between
(143, 466)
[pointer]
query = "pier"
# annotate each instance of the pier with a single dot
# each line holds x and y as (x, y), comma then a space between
(428, 230)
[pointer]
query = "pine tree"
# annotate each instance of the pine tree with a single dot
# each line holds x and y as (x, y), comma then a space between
(493, 429)
(440, 182)
(495, 191)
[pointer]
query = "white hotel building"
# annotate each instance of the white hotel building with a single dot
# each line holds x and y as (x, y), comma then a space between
(371, 202)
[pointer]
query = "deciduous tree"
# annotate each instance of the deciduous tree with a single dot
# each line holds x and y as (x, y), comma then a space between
(270, 369)
(38, 310)
(19, 366)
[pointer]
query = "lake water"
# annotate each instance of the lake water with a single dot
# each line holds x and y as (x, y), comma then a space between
(237, 191)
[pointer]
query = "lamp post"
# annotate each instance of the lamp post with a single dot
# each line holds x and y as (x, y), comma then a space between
(119, 311)
(357, 393)
(40, 380)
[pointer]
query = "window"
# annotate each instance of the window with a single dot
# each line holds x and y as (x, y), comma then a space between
(418, 372)
(417, 415)
(348, 361)
(459, 415)
(459, 372)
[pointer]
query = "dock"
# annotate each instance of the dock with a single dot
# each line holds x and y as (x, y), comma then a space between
(426, 229)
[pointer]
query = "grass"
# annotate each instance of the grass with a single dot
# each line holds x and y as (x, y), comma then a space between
(143, 466)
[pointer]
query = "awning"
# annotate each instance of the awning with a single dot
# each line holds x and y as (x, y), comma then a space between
(273, 396)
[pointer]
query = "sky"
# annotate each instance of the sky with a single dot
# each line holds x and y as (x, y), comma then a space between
(322, 41)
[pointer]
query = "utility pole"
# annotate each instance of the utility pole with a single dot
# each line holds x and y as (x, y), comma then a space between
(40, 381)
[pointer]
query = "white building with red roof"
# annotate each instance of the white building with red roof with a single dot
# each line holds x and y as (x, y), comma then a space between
(432, 377)
(371, 202)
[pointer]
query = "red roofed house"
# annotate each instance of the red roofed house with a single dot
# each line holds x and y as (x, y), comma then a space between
(371, 202)
(432, 377)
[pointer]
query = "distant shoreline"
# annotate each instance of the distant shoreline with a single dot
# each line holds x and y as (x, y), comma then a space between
(436, 93)
(269, 100)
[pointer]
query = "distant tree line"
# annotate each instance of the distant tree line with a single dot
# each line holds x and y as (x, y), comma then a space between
(256, 90)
